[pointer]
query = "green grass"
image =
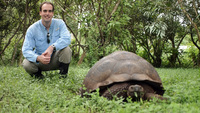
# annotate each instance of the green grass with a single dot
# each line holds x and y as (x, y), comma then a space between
(19, 93)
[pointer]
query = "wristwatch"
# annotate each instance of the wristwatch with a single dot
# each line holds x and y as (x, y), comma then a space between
(54, 47)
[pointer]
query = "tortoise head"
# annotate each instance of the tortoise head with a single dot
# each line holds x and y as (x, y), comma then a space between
(135, 92)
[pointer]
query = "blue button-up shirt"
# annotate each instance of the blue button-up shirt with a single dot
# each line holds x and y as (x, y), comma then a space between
(35, 42)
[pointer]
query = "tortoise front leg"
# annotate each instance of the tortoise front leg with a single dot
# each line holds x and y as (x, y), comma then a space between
(118, 89)
(150, 96)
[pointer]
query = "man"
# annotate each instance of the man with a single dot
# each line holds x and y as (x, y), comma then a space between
(46, 44)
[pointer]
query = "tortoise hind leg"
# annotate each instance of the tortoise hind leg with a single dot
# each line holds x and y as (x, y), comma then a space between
(150, 96)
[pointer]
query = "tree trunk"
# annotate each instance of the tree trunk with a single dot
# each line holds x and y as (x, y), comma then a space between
(198, 59)
(82, 57)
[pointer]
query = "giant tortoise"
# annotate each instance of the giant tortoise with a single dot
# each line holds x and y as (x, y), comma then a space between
(124, 74)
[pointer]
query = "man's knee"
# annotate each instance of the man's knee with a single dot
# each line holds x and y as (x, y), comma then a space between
(29, 67)
(68, 51)
(65, 55)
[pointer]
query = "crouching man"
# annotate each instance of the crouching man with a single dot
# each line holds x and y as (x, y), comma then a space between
(46, 44)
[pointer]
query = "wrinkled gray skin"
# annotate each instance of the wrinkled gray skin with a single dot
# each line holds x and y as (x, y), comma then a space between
(124, 74)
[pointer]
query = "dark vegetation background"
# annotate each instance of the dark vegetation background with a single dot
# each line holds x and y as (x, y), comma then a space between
(154, 29)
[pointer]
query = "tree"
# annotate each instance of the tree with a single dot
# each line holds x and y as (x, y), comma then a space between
(17, 16)
(191, 10)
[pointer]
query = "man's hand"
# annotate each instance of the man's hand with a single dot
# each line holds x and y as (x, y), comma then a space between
(49, 51)
(45, 57)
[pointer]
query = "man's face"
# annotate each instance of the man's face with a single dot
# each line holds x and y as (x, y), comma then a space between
(47, 12)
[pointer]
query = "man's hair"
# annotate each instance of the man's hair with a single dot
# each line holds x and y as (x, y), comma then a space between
(46, 3)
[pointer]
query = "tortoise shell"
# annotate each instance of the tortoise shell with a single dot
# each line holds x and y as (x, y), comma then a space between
(122, 66)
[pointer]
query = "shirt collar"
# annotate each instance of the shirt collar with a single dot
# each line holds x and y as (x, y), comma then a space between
(43, 27)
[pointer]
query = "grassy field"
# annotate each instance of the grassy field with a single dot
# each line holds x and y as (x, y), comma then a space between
(20, 93)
